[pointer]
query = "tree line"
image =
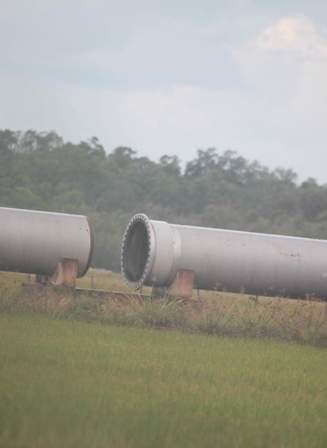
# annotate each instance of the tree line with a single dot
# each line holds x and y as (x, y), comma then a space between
(39, 170)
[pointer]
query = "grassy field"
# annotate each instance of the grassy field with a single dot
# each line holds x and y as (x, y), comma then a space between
(73, 384)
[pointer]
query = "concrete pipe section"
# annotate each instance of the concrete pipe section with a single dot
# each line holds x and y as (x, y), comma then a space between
(35, 242)
(153, 252)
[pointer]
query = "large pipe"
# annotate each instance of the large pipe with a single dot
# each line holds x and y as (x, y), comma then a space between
(35, 242)
(254, 263)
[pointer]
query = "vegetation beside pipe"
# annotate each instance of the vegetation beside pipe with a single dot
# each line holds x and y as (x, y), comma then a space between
(297, 321)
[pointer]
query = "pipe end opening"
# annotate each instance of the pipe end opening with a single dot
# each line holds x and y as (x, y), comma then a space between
(137, 251)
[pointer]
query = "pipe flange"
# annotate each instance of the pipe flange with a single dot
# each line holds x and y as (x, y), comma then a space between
(144, 219)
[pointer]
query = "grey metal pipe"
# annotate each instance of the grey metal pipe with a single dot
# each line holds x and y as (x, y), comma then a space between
(154, 251)
(34, 242)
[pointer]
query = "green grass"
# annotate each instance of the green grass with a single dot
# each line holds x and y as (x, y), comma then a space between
(73, 384)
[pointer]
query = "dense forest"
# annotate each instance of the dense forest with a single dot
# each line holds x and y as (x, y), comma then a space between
(219, 189)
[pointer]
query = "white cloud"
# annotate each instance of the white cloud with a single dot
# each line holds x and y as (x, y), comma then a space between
(298, 35)
(285, 70)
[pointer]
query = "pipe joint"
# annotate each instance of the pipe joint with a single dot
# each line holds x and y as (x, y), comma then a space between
(148, 252)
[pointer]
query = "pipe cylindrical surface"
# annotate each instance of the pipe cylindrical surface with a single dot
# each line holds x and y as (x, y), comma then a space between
(34, 242)
(154, 251)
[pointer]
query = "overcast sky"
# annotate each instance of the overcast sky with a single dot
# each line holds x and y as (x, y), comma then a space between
(173, 76)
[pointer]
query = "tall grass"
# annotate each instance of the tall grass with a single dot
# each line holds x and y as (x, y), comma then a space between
(289, 320)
